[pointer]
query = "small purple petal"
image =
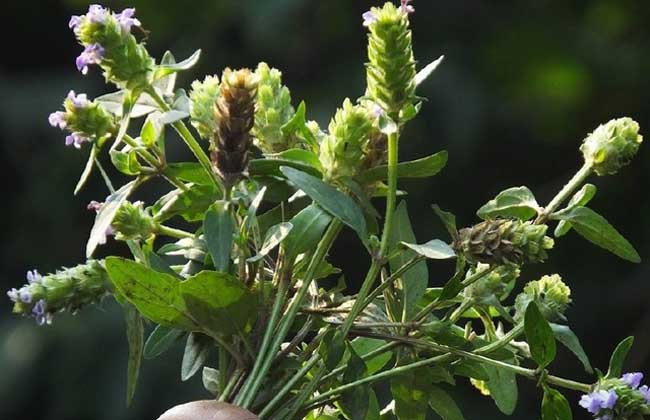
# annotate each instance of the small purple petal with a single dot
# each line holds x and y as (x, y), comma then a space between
(633, 379)
(92, 54)
(406, 8)
(40, 313)
(33, 276)
(645, 392)
(126, 19)
(13, 294)
(368, 18)
(94, 205)
(25, 296)
(590, 402)
(74, 22)
(97, 14)
(76, 140)
(57, 119)
(79, 101)
(609, 399)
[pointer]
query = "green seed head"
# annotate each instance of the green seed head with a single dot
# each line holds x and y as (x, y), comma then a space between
(133, 222)
(612, 146)
(551, 295)
(497, 284)
(202, 99)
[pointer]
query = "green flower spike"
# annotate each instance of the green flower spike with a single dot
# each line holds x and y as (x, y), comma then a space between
(390, 72)
(551, 295)
(612, 146)
(202, 99)
(503, 241)
(133, 222)
(342, 149)
(272, 110)
(495, 285)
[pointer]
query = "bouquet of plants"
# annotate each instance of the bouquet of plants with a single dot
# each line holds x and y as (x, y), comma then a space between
(233, 258)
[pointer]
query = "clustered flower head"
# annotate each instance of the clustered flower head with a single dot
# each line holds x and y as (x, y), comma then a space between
(86, 120)
(203, 96)
(494, 286)
(612, 146)
(108, 42)
(66, 290)
(551, 295)
(618, 398)
(133, 222)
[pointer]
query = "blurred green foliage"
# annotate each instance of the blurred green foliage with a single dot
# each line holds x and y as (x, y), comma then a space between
(522, 84)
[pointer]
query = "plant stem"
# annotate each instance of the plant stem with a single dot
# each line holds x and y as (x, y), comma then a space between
(464, 307)
(188, 138)
(174, 233)
(397, 274)
(254, 382)
(574, 183)
(380, 350)
(503, 341)
(379, 260)
(155, 163)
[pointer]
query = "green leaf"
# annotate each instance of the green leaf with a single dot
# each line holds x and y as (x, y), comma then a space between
(154, 261)
(163, 70)
(518, 202)
(274, 236)
(424, 74)
(329, 198)
(298, 125)
(126, 161)
(308, 228)
(303, 160)
(218, 229)
(618, 358)
(94, 151)
(219, 302)
(189, 172)
(555, 406)
(434, 249)
(564, 335)
(135, 336)
(580, 198)
(302, 156)
(332, 349)
(197, 349)
(105, 216)
(414, 282)
(155, 295)
(444, 405)
(112, 102)
(419, 168)
(191, 205)
(455, 284)
(180, 108)
(597, 230)
(448, 220)
(151, 130)
(356, 401)
(160, 340)
(503, 388)
(211, 380)
(539, 336)
(166, 84)
(471, 369)
(364, 345)
(411, 392)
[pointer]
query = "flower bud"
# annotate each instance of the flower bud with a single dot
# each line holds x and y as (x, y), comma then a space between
(341, 150)
(202, 99)
(234, 114)
(133, 222)
(108, 42)
(551, 295)
(612, 146)
(66, 290)
(496, 284)
(87, 121)
(390, 72)
(503, 241)
(618, 398)
(272, 110)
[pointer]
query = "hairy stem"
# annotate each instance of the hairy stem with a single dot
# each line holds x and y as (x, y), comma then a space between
(573, 184)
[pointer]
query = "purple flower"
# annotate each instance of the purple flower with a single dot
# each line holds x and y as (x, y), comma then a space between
(79, 101)
(92, 54)
(406, 7)
(13, 294)
(126, 19)
(598, 400)
(94, 206)
(57, 119)
(97, 14)
(25, 296)
(633, 380)
(40, 313)
(378, 111)
(33, 276)
(76, 139)
(74, 22)
(368, 18)
(645, 392)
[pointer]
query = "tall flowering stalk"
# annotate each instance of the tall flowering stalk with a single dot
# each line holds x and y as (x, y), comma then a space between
(260, 214)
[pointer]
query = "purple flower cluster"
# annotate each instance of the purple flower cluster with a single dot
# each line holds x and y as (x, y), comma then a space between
(24, 296)
(40, 313)
(94, 53)
(602, 402)
(407, 8)
(368, 18)
(58, 119)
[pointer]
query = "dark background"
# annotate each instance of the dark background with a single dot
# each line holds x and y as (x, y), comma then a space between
(522, 84)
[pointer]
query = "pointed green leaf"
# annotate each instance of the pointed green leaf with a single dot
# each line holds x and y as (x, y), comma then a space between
(444, 405)
(539, 336)
(191, 204)
(618, 358)
(218, 229)
(274, 236)
(503, 388)
(298, 125)
(419, 168)
(166, 84)
(308, 228)
(355, 402)
(189, 172)
(105, 216)
(197, 349)
(448, 220)
(434, 249)
(597, 230)
(518, 202)
(330, 199)
(112, 102)
(163, 70)
(564, 335)
(424, 74)
(411, 392)
(160, 340)
(580, 198)
(332, 349)
(555, 406)
(135, 336)
(211, 380)
(94, 151)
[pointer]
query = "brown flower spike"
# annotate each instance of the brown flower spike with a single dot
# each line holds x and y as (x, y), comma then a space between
(234, 114)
